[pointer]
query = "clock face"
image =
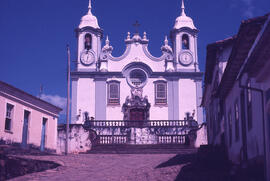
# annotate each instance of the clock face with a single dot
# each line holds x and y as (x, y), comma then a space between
(185, 58)
(87, 58)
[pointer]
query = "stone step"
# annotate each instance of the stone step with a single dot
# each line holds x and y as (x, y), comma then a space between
(142, 149)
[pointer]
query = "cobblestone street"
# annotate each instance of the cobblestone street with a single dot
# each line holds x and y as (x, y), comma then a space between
(107, 167)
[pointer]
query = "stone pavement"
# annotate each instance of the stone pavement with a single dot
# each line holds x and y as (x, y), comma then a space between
(107, 167)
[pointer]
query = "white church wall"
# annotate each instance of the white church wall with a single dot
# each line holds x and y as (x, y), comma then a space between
(114, 112)
(156, 112)
(86, 98)
(187, 97)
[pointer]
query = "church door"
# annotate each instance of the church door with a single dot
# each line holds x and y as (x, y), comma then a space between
(137, 114)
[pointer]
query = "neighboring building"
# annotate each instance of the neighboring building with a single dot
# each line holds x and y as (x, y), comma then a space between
(27, 120)
(171, 85)
(237, 97)
(137, 86)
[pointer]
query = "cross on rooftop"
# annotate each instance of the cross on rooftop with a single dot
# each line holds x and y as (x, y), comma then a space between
(137, 25)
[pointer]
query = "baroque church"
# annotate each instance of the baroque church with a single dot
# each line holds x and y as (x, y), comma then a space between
(137, 85)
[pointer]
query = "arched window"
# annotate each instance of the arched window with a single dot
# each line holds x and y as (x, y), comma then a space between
(185, 42)
(88, 42)
(161, 92)
(113, 93)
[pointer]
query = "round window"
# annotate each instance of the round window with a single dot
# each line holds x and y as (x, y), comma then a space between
(137, 78)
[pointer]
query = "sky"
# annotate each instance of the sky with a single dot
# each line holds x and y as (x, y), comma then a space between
(34, 33)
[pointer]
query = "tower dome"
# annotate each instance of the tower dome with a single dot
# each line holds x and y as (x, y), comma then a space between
(89, 19)
(183, 20)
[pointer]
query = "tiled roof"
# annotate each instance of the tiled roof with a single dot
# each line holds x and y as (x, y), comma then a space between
(246, 36)
(11, 90)
(260, 54)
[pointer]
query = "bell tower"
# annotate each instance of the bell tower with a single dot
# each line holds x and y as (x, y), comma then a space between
(89, 36)
(184, 39)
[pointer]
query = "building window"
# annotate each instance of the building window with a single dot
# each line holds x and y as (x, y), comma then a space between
(88, 42)
(230, 127)
(185, 42)
(113, 93)
(236, 110)
(249, 105)
(9, 115)
(161, 93)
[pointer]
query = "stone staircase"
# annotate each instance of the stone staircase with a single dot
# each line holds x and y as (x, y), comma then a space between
(142, 149)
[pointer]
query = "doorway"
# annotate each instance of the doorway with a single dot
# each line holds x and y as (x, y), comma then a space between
(25, 129)
(137, 114)
(43, 134)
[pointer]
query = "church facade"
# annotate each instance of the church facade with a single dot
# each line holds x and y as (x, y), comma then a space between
(136, 85)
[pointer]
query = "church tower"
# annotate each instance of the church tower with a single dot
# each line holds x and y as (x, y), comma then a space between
(136, 86)
(184, 39)
(89, 36)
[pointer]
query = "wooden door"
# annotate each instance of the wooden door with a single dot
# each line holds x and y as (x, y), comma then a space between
(137, 115)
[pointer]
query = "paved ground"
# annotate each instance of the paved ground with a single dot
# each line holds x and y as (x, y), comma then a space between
(98, 167)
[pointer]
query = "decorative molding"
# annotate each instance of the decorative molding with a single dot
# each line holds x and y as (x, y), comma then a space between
(96, 31)
(106, 53)
(137, 101)
(151, 57)
(183, 75)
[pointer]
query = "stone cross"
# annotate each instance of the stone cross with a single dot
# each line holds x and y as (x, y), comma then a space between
(137, 25)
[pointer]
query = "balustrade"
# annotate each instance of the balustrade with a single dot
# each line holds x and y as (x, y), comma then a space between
(152, 123)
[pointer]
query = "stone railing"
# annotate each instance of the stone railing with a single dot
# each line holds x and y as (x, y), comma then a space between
(112, 139)
(172, 139)
(139, 124)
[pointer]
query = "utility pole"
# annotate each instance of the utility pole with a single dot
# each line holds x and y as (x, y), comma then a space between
(68, 98)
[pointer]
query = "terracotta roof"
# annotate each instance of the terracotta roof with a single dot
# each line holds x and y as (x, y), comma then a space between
(246, 36)
(260, 54)
(11, 90)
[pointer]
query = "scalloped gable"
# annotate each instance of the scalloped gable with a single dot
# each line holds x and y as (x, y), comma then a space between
(136, 51)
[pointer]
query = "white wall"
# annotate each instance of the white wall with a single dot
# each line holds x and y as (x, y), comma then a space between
(187, 97)
(85, 98)
(35, 124)
(156, 112)
(255, 134)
